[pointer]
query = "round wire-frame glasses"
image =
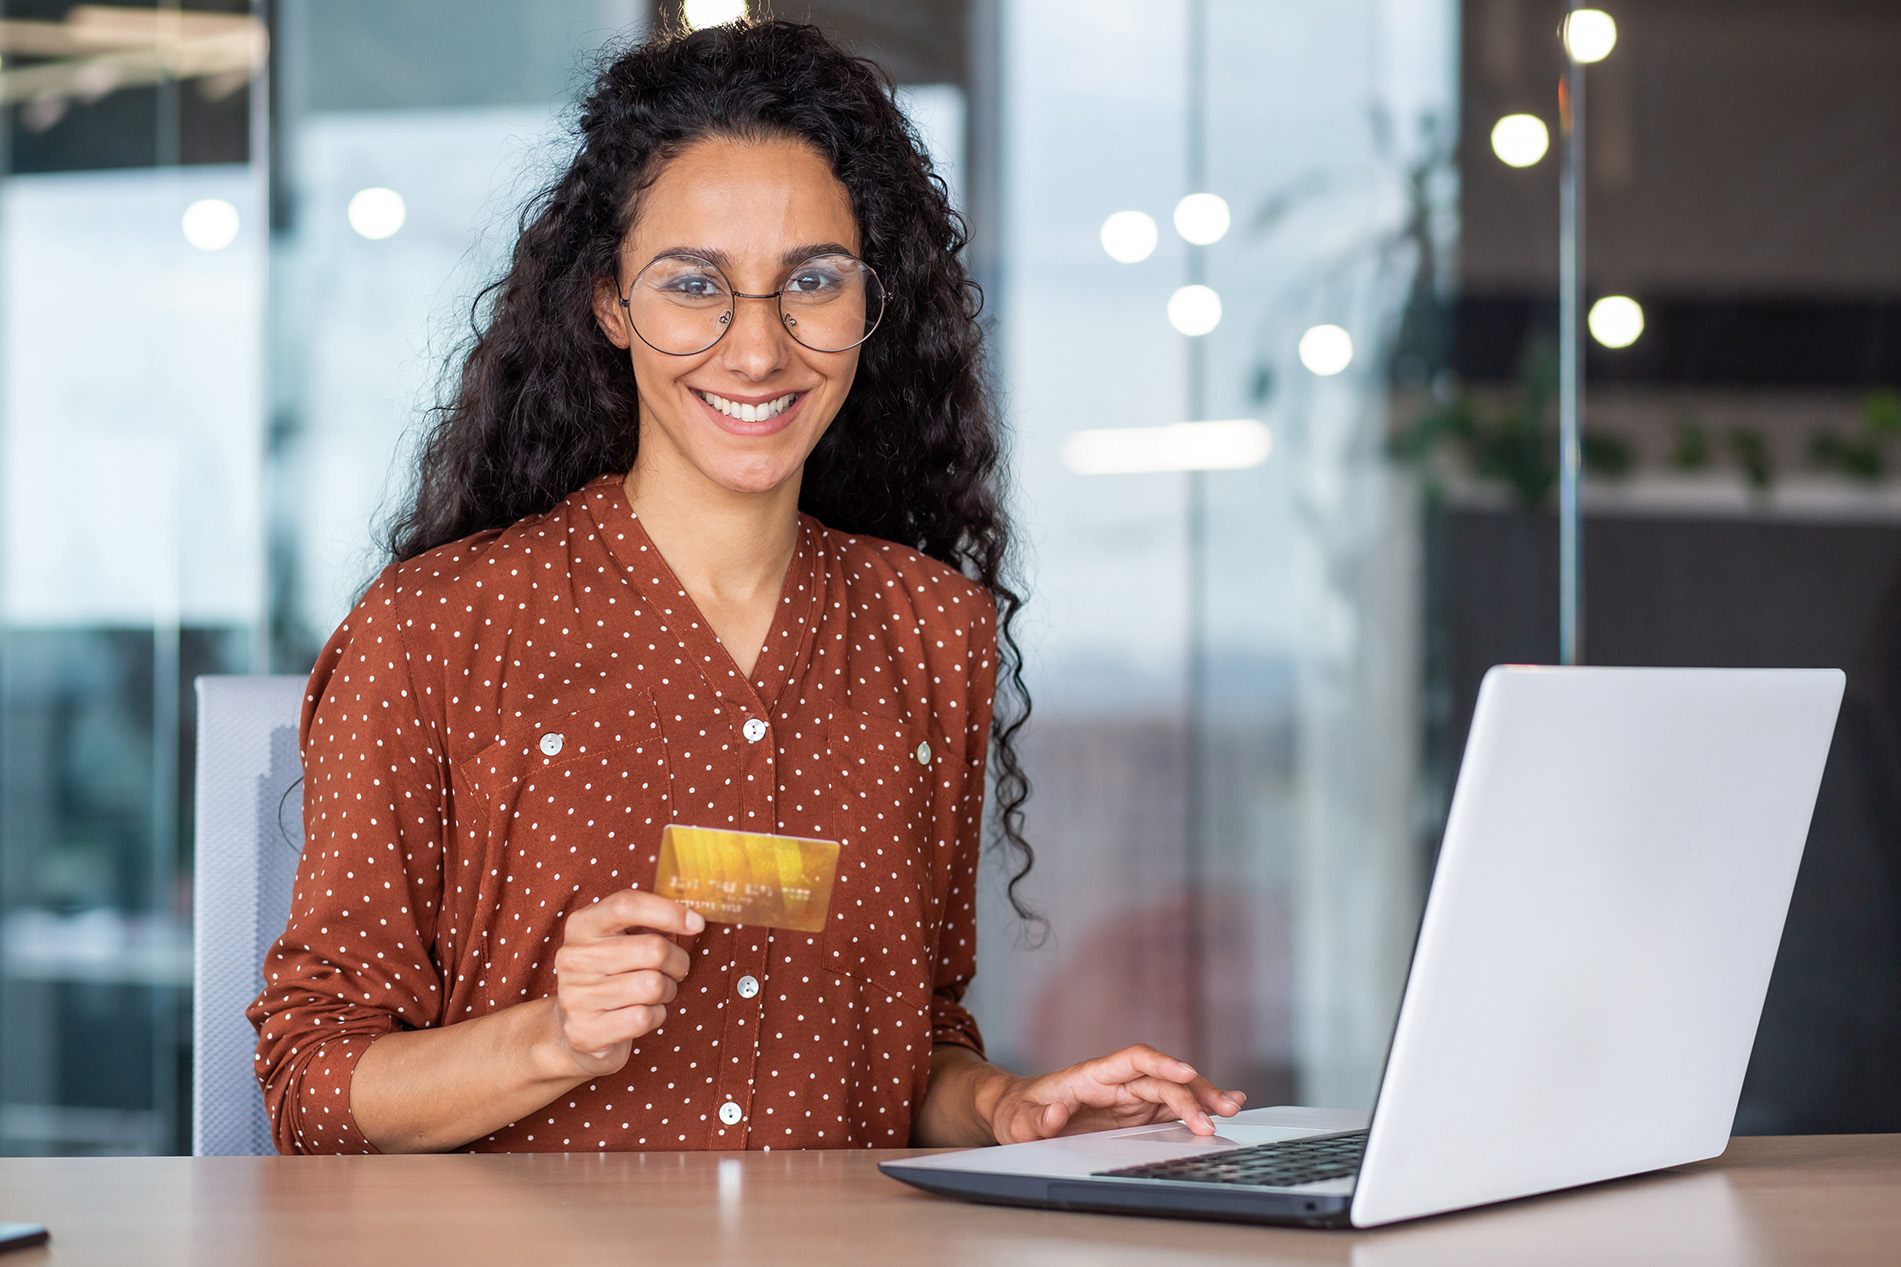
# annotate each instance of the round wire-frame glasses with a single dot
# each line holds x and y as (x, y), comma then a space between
(682, 304)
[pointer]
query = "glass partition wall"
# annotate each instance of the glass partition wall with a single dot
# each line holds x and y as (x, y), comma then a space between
(132, 250)
(1225, 229)
(405, 138)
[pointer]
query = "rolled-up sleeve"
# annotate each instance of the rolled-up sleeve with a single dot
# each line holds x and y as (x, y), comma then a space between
(355, 959)
(951, 1021)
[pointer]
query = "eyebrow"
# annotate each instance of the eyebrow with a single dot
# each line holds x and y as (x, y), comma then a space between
(793, 256)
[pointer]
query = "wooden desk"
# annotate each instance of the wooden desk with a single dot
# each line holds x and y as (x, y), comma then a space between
(1833, 1199)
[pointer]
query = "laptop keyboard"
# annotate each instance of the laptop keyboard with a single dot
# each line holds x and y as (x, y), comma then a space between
(1279, 1165)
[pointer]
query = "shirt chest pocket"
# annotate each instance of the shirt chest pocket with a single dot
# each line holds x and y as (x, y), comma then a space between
(580, 795)
(880, 928)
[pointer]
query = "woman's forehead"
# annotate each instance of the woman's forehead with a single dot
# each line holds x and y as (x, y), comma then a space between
(752, 201)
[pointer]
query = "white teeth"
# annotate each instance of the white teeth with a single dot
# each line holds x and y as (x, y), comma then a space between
(749, 413)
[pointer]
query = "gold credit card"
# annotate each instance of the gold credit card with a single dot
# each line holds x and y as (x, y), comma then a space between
(743, 877)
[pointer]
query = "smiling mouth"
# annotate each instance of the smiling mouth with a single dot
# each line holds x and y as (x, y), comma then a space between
(761, 412)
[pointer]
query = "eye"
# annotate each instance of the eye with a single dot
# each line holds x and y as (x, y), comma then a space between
(685, 280)
(694, 285)
(814, 279)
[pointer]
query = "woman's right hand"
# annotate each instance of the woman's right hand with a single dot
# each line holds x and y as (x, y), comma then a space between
(615, 973)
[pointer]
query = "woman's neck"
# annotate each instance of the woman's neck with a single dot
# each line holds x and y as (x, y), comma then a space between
(729, 550)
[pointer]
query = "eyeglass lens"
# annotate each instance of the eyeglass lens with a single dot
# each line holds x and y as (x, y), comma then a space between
(681, 304)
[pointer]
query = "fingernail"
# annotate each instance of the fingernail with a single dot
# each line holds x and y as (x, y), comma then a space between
(695, 921)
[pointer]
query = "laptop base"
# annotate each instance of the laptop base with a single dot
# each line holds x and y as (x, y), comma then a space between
(1154, 1197)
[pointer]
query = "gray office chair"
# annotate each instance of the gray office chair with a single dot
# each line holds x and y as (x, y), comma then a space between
(250, 813)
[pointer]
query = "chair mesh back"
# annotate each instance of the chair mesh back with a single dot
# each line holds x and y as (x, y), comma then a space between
(250, 828)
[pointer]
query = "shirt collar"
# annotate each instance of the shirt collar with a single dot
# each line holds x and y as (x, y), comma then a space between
(789, 641)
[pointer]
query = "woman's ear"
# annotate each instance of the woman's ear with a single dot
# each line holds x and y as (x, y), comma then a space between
(608, 313)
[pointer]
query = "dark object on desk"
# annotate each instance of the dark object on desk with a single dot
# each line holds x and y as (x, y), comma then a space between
(22, 1236)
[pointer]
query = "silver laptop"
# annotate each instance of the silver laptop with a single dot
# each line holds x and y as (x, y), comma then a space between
(1584, 990)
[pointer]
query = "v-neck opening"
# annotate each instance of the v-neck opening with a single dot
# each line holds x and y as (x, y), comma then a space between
(645, 568)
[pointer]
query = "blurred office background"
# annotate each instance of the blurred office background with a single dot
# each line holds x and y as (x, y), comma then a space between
(238, 242)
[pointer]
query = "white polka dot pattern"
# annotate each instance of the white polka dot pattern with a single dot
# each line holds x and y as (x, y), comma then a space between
(498, 734)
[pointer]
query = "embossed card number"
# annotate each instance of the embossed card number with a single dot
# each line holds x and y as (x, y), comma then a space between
(742, 877)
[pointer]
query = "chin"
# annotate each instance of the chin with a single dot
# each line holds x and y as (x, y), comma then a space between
(747, 477)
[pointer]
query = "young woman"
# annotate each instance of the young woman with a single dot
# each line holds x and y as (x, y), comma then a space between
(710, 535)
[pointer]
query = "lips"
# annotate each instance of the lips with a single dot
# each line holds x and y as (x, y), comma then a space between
(739, 411)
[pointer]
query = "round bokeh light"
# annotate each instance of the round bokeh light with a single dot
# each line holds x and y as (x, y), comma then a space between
(210, 224)
(1130, 236)
(1520, 140)
(1202, 218)
(1616, 321)
(1326, 350)
(377, 213)
(705, 13)
(1590, 35)
(1194, 310)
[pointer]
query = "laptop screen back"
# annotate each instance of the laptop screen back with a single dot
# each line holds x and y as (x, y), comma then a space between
(1604, 916)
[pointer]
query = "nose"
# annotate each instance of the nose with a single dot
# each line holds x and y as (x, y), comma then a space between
(757, 344)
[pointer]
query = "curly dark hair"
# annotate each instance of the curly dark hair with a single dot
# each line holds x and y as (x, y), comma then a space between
(543, 402)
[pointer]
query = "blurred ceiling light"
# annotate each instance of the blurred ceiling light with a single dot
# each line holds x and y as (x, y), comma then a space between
(1194, 310)
(1130, 236)
(1202, 218)
(701, 13)
(1589, 35)
(100, 49)
(210, 224)
(1520, 140)
(1229, 445)
(1326, 350)
(1616, 321)
(377, 213)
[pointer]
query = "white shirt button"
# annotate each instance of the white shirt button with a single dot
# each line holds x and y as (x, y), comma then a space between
(924, 754)
(551, 744)
(729, 1113)
(754, 730)
(748, 986)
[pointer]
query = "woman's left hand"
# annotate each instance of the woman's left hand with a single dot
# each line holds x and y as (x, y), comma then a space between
(1132, 1087)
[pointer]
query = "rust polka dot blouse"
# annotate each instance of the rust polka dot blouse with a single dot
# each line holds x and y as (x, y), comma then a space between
(497, 735)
